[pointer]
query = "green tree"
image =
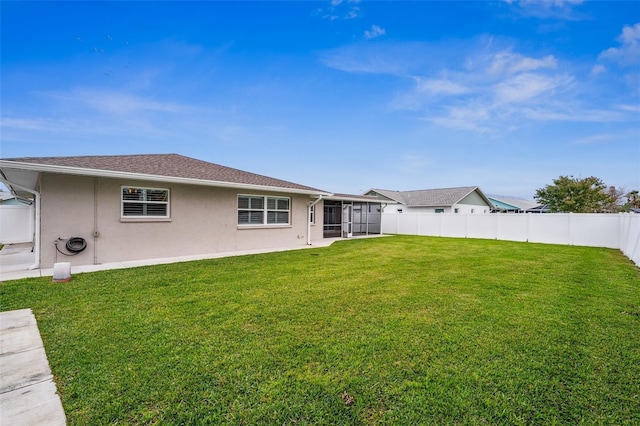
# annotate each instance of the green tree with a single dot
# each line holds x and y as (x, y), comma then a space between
(575, 195)
(633, 199)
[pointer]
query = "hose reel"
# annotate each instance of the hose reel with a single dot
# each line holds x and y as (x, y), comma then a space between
(73, 246)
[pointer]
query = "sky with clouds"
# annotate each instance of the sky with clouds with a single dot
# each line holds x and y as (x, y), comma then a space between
(341, 95)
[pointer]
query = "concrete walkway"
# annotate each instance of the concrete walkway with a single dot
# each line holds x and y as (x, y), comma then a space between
(27, 391)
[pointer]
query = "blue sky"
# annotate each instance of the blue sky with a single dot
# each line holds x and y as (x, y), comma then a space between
(339, 95)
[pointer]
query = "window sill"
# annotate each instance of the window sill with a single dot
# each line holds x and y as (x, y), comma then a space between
(144, 219)
(264, 226)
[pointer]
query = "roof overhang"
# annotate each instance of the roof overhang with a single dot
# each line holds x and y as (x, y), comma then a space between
(21, 167)
(360, 199)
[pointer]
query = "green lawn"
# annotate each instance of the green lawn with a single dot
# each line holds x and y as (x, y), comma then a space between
(398, 330)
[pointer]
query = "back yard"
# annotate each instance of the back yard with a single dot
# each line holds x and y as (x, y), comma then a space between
(397, 330)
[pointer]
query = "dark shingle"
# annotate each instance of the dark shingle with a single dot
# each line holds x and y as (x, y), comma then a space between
(165, 165)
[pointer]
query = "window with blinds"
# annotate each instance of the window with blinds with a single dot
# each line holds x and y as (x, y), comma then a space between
(263, 210)
(145, 202)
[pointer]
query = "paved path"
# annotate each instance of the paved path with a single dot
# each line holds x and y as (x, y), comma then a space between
(27, 391)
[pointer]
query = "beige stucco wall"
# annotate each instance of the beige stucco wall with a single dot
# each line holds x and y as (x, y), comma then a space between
(203, 221)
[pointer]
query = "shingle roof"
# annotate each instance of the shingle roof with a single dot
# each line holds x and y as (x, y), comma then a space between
(165, 165)
(428, 197)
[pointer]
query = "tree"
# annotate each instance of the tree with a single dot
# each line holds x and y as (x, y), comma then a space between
(616, 203)
(633, 199)
(569, 194)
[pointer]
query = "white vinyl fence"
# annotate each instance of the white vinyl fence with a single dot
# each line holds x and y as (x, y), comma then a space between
(618, 231)
(16, 224)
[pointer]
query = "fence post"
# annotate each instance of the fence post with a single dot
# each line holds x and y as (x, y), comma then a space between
(570, 229)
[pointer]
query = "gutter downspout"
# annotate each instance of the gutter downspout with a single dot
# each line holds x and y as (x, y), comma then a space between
(309, 218)
(36, 242)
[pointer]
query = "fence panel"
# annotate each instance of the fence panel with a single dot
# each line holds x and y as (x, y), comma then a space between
(453, 225)
(482, 226)
(429, 227)
(630, 237)
(549, 228)
(621, 231)
(595, 230)
(16, 224)
(512, 227)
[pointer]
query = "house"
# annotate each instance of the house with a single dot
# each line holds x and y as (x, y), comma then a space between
(542, 208)
(510, 205)
(104, 209)
(466, 199)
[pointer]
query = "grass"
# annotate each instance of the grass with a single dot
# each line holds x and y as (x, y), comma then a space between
(399, 330)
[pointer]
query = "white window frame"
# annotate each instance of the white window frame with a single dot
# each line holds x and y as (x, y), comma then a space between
(312, 214)
(268, 211)
(145, 202)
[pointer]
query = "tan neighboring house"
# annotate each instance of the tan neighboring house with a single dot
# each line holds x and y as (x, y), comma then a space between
(104, 209)
(464, 200)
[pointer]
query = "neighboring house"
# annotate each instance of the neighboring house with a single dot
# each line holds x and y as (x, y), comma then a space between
(466, 199)
(138, 207)
(510, 205)
(542, 208)
(9, 199)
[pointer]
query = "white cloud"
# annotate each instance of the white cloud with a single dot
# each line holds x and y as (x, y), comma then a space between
(341, 9)
(628, 53)
(527, 87)
(547, 9)
(630, 108)
(374, 32)
(598, 69)
(595, 139)
(496, 93)
(114, 103)
(371, 58)
(511, 63)
(630, 35)
(440, 86)
(484, 85)
(474, 117)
